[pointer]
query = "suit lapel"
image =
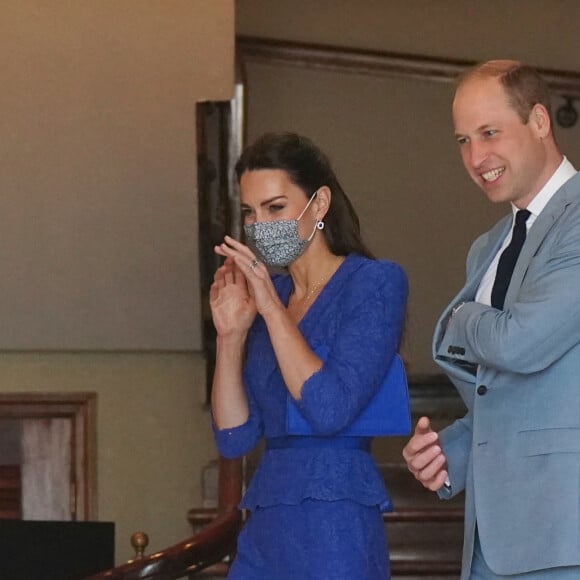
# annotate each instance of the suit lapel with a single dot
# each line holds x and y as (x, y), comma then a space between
(538, 232)
(481, 262)
(486, 255)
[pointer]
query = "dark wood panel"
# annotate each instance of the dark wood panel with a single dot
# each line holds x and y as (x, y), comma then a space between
(10, 492)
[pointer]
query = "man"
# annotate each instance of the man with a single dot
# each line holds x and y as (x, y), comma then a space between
(510, 342)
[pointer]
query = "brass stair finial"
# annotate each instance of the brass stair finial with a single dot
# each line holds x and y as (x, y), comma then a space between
(139, 541)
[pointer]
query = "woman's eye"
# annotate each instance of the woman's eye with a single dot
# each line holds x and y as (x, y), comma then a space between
(276, 208)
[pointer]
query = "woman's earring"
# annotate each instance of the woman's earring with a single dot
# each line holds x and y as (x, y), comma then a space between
(320, 224)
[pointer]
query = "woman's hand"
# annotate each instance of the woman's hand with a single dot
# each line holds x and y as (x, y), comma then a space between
(233, 309)
(255, 273)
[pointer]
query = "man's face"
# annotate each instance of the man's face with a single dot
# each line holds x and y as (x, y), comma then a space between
(503, 156)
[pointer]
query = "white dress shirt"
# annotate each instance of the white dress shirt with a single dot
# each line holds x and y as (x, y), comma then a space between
(564, 172)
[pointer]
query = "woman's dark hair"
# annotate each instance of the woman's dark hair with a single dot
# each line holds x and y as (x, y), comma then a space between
(309, 168)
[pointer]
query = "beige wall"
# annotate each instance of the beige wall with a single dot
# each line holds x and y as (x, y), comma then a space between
(98, 213)
(539, 31)
(97, 158)
(391, 139)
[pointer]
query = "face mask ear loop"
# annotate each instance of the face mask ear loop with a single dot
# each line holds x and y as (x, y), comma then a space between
(302, 213)
(313, 231)
(307, 205)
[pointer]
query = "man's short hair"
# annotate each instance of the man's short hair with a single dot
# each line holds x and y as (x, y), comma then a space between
(523, 84)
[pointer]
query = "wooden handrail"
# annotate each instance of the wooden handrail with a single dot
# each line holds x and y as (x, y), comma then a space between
(209, 546)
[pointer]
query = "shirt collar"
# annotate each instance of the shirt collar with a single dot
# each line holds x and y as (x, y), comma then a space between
(564, 172)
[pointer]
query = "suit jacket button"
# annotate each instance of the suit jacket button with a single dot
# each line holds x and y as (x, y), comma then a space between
(481, 390)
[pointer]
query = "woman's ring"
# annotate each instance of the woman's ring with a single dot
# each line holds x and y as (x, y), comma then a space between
(253, 264)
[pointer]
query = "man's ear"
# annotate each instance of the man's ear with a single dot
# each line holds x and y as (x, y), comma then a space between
(322, 201)
(540, 120)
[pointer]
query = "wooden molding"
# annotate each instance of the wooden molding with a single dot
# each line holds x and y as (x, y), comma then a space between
(377, 63)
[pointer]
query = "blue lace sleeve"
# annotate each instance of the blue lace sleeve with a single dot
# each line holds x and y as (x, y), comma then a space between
(369, 336)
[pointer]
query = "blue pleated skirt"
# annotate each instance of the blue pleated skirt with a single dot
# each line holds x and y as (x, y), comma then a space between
(315, 540)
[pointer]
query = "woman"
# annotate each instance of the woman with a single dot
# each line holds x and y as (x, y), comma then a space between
(321, 337)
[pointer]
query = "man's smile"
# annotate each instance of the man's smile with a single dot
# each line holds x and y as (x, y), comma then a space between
(493, 174)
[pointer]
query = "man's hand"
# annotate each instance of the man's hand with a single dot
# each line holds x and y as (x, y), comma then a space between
(424, 456)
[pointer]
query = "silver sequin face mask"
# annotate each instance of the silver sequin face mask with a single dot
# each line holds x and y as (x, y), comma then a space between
(278, 242)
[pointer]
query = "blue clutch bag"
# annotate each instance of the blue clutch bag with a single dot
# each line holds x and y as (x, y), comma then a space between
(388, 412)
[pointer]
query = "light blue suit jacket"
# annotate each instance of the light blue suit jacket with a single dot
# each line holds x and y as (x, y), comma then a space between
(517, 451)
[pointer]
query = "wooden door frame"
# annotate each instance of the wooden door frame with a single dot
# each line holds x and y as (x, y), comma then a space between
(80, 409)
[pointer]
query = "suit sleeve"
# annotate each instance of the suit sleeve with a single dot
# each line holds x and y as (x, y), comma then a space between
(456, 444)
(540, 327)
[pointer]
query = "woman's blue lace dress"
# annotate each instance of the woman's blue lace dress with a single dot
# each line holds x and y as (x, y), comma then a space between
(316, 502)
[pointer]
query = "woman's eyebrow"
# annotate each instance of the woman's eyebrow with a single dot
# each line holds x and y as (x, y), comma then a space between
(266, 201)
(271, 199)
